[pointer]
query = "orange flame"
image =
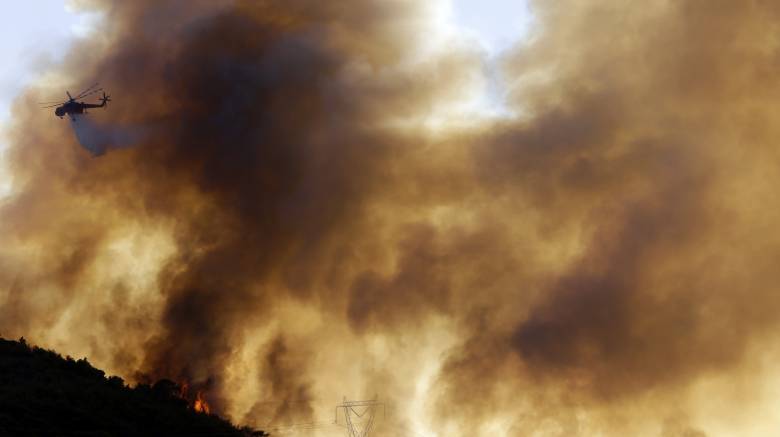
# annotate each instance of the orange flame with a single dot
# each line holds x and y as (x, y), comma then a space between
(200, 405)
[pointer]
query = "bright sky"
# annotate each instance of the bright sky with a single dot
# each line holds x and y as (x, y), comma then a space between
(33, 35)
(496, 23)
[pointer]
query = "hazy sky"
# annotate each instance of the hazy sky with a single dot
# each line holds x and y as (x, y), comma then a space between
(38, 32)
(33, 34)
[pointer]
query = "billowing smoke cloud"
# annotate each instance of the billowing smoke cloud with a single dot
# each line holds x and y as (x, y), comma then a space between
(292, 231)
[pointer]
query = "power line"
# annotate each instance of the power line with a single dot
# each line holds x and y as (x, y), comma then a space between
(359, 416)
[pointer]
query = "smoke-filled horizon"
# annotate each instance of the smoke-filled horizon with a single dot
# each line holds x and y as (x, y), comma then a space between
(290, 230)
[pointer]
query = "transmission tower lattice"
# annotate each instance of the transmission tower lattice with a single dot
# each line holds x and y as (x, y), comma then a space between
(359, 416)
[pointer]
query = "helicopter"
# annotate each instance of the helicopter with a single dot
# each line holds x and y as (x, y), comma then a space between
(71, 107)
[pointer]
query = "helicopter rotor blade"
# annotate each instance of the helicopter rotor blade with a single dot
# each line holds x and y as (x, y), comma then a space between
(81, 94)
(89, 93)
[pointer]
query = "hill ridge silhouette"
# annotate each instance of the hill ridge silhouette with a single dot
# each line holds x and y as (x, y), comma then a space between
(44, 394)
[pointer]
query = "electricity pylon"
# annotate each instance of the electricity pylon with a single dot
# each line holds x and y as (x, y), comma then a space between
(359, 416)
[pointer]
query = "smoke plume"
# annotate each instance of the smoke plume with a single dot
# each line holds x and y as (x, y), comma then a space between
(300, 225)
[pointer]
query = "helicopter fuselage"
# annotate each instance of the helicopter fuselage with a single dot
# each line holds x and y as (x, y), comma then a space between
(73, 108)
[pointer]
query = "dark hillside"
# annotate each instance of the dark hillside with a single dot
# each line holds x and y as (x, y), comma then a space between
(43, 394)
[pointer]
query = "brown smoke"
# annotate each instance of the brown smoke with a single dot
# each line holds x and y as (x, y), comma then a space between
(290, 230)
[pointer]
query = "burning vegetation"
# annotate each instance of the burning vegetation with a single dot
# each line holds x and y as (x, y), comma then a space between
(42, 393)
(200, 405)
(198, 402)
